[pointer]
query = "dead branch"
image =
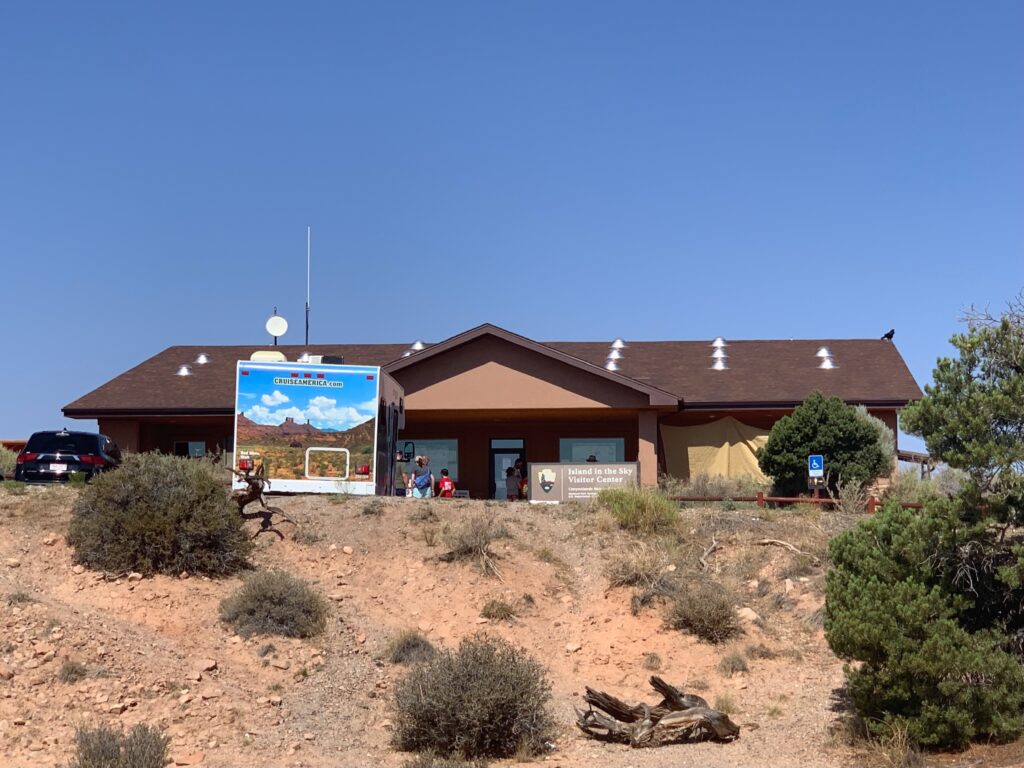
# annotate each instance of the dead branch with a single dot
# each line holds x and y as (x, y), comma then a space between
(787, 545)
(256, 484)
(679, 717)
(708, 551)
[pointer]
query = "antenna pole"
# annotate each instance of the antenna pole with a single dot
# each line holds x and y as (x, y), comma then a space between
(308, 238)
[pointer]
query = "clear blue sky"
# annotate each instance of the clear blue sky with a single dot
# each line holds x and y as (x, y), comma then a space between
(568, 170)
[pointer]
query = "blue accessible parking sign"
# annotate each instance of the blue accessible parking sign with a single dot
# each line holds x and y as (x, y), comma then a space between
(816, 466)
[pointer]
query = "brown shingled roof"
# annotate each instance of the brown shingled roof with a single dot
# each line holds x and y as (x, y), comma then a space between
(151, 387)
(760, 374)
(763, 372)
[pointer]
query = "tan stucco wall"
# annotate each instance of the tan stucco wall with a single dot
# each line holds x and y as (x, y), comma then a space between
(490, 373)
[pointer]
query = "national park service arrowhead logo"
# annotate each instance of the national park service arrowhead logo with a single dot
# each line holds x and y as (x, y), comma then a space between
(546, 479)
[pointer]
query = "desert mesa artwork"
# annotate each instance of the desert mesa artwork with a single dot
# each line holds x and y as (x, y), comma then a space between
(313, 427)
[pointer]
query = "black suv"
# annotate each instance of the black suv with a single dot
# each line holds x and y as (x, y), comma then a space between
(51, 457)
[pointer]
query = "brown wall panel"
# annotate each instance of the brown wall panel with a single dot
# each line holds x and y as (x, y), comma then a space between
(541, 440)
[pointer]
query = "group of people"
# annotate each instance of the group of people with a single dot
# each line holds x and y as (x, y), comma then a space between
(420, 483)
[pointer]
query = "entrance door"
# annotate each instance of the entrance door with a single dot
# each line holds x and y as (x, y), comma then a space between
(504, 454)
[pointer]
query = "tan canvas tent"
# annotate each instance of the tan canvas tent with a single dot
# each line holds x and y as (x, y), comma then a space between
(725, 447)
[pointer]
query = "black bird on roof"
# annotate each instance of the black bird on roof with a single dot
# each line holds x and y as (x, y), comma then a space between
(889, 334)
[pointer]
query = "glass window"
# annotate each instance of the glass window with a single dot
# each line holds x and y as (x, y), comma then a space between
(603, 449)
(506, 443)
(193, 448)
(443, 454)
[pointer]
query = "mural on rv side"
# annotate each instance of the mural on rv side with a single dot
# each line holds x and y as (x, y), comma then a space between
(280, 415)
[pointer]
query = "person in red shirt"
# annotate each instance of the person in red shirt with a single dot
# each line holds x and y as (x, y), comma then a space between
(445, 486)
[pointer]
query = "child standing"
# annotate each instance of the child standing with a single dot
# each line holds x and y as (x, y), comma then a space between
(512, 484)
(445, 486)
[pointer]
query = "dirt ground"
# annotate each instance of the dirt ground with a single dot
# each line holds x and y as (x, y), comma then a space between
(156, 653)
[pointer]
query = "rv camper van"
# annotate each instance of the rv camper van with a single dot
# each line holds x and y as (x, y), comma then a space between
(318, 428)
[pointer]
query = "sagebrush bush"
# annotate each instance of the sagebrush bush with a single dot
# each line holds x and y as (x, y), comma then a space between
(498, 610)
(733, 664)
(909, 487)
(850, 498)
(487, 699)
(705, 611)
(142, 747)
(275, 603)
(430, 760)
(158, 514)
(471, 540)
(639, 509)
(8, 462)
(926, 603)
(713, 486)
(72, 671)
(410, 647)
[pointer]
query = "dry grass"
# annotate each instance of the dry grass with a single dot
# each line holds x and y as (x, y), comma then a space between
(733, 664)
(471, 540)
(725, 703)
(652, 662)
(498, 610)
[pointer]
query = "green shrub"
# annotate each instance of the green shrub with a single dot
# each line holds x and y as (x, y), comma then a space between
(487, 699)
(826, 426)
(141, 747)
(705, 611)
(71, 671)
(498, 610)
(8, 462)
(410, 647)
(158, 514)
(275, 603)
(926, 605)
(639, 509)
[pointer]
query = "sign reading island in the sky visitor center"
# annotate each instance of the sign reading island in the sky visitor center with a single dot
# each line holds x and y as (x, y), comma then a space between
(578, 482)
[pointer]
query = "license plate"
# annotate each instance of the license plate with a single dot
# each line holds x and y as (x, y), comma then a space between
(58, 467)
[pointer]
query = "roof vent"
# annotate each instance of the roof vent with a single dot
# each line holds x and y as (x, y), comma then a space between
(827, 364)
(407, 353)
(719, 365)
(183, 370)
(202, 358)
(303, 358)
(823, 352)
(718, 343)
(618, 344)
(614, 354)
(611, 365)
(417, 346)
(719, 354)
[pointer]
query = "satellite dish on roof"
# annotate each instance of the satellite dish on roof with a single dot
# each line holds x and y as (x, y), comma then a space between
(277, 325)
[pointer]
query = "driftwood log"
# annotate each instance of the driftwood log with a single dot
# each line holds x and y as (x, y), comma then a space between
(679, 717)
(256, 484)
